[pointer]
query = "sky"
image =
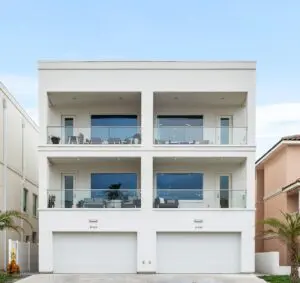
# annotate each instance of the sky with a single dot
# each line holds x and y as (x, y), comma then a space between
(265, 31)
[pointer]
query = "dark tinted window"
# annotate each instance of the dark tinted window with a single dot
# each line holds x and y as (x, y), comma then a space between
(180, 121)
(184, 186)
(102, 181)
(113, 126)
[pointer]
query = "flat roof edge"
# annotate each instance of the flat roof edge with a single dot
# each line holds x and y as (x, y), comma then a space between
(146, 65)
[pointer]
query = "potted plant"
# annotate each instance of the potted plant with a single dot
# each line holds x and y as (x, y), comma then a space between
(114, 195)
(51, 201)
(80, 204)
(55, 140)
(137, 138)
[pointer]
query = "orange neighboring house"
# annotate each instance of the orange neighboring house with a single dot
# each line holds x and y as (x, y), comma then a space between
(277, 189)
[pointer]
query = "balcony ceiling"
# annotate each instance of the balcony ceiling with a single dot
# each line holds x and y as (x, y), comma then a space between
(198, 160)
(92, 98)
(93, 160)
(175, 99)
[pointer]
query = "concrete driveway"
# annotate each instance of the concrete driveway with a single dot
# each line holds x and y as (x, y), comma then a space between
(135, 278)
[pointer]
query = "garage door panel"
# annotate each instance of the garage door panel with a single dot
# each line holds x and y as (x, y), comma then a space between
(94, 252)
(198, 252)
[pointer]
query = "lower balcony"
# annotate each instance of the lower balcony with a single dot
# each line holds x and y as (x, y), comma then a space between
(113, 197)
(186, 198)
(183, 183)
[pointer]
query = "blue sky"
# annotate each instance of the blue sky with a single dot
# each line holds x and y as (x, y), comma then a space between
(266, 31)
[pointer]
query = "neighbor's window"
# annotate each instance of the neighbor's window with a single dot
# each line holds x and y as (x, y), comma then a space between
(33, 237)
(34, 208)
(25, 197)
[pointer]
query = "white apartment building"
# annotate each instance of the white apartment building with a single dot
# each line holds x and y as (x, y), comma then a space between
(18, 169)
(147, 167)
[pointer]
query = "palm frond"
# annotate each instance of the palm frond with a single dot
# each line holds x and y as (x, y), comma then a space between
(7, 220)
(15, 214)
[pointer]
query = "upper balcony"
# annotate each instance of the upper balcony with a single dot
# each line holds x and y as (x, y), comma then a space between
(200, 118)
(110, 118)
(94, 118)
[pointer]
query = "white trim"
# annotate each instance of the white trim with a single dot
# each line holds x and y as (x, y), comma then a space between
(267, 155)
(279, 191)
(147, 65)
(11, 98)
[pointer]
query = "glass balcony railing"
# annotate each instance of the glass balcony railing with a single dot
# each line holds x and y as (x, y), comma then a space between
(200, 135)
(188, 198)
(90, 198)
(94, 135)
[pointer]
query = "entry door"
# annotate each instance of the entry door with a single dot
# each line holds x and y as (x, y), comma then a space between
(224, 190)
(68, 181)
(67, 128)
(225, 130)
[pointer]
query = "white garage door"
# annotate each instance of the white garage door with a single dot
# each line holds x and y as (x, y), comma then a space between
(94, 252)
(198, 252)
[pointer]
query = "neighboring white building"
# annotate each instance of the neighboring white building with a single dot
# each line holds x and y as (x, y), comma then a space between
(177, 142)
(18, 168)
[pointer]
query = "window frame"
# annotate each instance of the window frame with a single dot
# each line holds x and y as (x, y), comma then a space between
(34, 205)
(25, 200)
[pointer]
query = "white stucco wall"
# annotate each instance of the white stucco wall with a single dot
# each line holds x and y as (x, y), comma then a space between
(268, 263)
(18, 162)
(211, 173)
(148, 78)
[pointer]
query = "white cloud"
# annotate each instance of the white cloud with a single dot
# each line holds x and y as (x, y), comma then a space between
(275, 121)
(24, 89)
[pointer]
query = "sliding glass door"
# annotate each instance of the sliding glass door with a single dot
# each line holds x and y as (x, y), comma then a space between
(115, 128)
(179, 128)
(180, 186)
(124, 184)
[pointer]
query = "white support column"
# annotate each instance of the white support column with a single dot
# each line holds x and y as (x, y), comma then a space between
(251, 117)
(248, 248)
(250, 180)
(146, 256)
(43, 115)
(43, 180)
(147, 98)
(147, 182)
(45, 249)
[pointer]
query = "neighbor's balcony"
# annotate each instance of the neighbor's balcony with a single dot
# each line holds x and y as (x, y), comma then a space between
(200, 135)
(94, 135)
(87, 198)
(188, 198)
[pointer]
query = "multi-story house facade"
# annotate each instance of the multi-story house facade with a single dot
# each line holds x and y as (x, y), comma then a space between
(18, 169)
(147, 167)
(277, 191)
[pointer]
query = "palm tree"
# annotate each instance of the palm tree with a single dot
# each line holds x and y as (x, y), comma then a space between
(288, 231)
(7, 220)
(114, 191)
